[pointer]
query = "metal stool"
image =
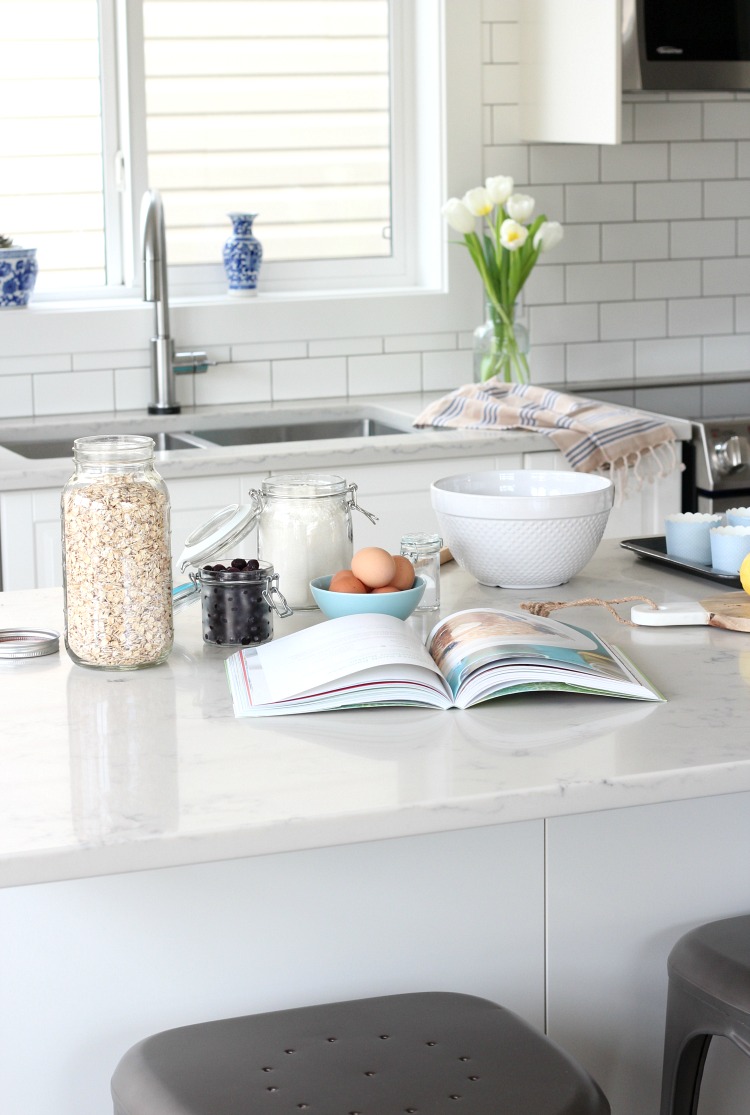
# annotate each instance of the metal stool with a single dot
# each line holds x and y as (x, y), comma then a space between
(426, 1053)
(709, 994)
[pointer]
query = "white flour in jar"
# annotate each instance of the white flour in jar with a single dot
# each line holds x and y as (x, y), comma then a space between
(304, 537)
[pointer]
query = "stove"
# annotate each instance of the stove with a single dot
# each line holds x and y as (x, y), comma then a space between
(717, 465)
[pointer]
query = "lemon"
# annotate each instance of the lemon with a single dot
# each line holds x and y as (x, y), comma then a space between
(745, 573)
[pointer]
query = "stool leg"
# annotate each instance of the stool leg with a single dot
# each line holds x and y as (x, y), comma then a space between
(687, 1038)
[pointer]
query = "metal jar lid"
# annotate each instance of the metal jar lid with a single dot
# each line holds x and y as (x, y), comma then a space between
(27, 642)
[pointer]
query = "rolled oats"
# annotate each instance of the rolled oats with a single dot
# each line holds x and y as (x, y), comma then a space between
(118, 575)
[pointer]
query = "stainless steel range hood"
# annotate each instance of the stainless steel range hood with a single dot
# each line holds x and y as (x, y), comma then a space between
(686, 44)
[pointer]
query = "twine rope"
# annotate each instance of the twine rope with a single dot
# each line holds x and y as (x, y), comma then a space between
(544, 607)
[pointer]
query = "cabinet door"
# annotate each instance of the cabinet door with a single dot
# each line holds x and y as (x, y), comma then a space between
(116, 958)
(623, 886)
(570, 73)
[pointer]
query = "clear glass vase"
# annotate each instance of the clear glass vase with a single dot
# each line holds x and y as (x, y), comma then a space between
(501, 349)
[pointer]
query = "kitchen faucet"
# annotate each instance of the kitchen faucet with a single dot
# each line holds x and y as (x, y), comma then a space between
(165, 362)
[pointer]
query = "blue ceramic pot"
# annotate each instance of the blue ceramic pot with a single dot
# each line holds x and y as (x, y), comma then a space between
(18, 270)
(242, 255)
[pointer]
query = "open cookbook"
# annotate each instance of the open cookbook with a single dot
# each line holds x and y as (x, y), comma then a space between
(471, 656)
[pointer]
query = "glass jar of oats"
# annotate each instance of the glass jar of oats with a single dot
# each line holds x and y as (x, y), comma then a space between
(117, 570)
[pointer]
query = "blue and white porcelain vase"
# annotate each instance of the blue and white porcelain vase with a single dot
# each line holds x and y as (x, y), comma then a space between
(243, 253)
(18, 271)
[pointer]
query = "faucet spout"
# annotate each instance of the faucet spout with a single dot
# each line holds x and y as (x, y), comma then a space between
(153, 241)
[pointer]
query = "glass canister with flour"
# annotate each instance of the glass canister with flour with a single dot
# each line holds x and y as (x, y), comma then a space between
(305, 528)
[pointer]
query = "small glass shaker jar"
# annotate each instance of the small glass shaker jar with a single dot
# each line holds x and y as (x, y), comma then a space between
(238, 595)
(117, 566)
(305, 527)
(423, 551)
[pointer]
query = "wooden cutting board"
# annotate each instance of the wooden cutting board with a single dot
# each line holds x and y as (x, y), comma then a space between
(731, 611)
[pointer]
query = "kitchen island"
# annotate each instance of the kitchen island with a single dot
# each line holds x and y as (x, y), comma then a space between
(165, 863)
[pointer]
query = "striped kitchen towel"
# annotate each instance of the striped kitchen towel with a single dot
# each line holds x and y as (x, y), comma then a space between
(629, 446)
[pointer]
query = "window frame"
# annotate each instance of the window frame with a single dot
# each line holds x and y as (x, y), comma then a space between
(445, 143)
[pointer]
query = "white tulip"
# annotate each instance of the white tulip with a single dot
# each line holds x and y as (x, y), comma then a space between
(548, 235)
(478, 201)
(458, 216)
(512, 234)
(520, 207)
(499, 188)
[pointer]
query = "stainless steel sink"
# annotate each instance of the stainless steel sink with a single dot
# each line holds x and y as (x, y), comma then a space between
(317, 430)
(268, 429)
(44, 449)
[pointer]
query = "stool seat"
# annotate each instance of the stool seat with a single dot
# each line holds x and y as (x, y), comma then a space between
(431, 1053)
(709, 996)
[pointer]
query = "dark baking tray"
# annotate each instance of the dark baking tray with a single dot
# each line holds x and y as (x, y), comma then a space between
(655, 549)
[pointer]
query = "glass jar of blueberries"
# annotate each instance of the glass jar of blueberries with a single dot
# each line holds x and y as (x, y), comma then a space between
(239, 595)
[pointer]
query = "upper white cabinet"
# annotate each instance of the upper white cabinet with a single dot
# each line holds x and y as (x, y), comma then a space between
(570, 72)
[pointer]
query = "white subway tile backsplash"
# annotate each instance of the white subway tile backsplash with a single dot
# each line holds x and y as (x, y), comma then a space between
(667, 120)
(727, 199)
(630, 320)
(696, 239)
(742, 315)
(504, 45)
(580, 244)
(657, 201)
(692, 317)
(635, 162)
(678, 279)
(270, 350)
(726, 276)
(500, 11)
(500, 84)
(545, 285)
(555, 162)
(598, 282)
(309, 379)
(635, 240)
(507, 158)
(727, 354)
(505, 124)
(608, 360)
(421, 342)
(743, 160)
(605, 202)
(103, 361)
(725, 400)
(346, 346)
(726, 120)
(28, 365)
(16, 397)
(73, 392)
(554, 324)
(384, 374)
(547, 363)
(240, 382)
(673, 356)
(702, 160)
(442, 371)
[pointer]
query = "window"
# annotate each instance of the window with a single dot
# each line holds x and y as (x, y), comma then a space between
(280, 107)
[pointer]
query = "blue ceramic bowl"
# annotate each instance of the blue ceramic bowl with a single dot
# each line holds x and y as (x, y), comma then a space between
(334, 604)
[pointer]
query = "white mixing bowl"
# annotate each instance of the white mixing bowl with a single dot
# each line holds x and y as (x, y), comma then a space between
(522, 528)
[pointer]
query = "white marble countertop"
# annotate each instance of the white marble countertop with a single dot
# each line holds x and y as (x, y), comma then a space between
(113, 772)
(22, 473)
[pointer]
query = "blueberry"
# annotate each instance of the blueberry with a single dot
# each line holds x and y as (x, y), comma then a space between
(239, 563)
(253, 564)
(219, 567)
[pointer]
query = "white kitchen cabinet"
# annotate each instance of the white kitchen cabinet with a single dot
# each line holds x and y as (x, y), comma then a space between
(397, 491)
(99, 963)
(570, 71)
(622, 887)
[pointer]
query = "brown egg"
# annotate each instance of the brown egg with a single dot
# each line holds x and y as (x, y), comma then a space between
(374, 566)
(386, 588)
(404, 572)
(338, 576)
(346, 582)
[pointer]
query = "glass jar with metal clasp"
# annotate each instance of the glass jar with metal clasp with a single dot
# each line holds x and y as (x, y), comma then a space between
(239, 595)
(305, 527)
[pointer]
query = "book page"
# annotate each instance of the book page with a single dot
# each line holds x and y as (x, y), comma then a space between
(313, 658)
(469, 642)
